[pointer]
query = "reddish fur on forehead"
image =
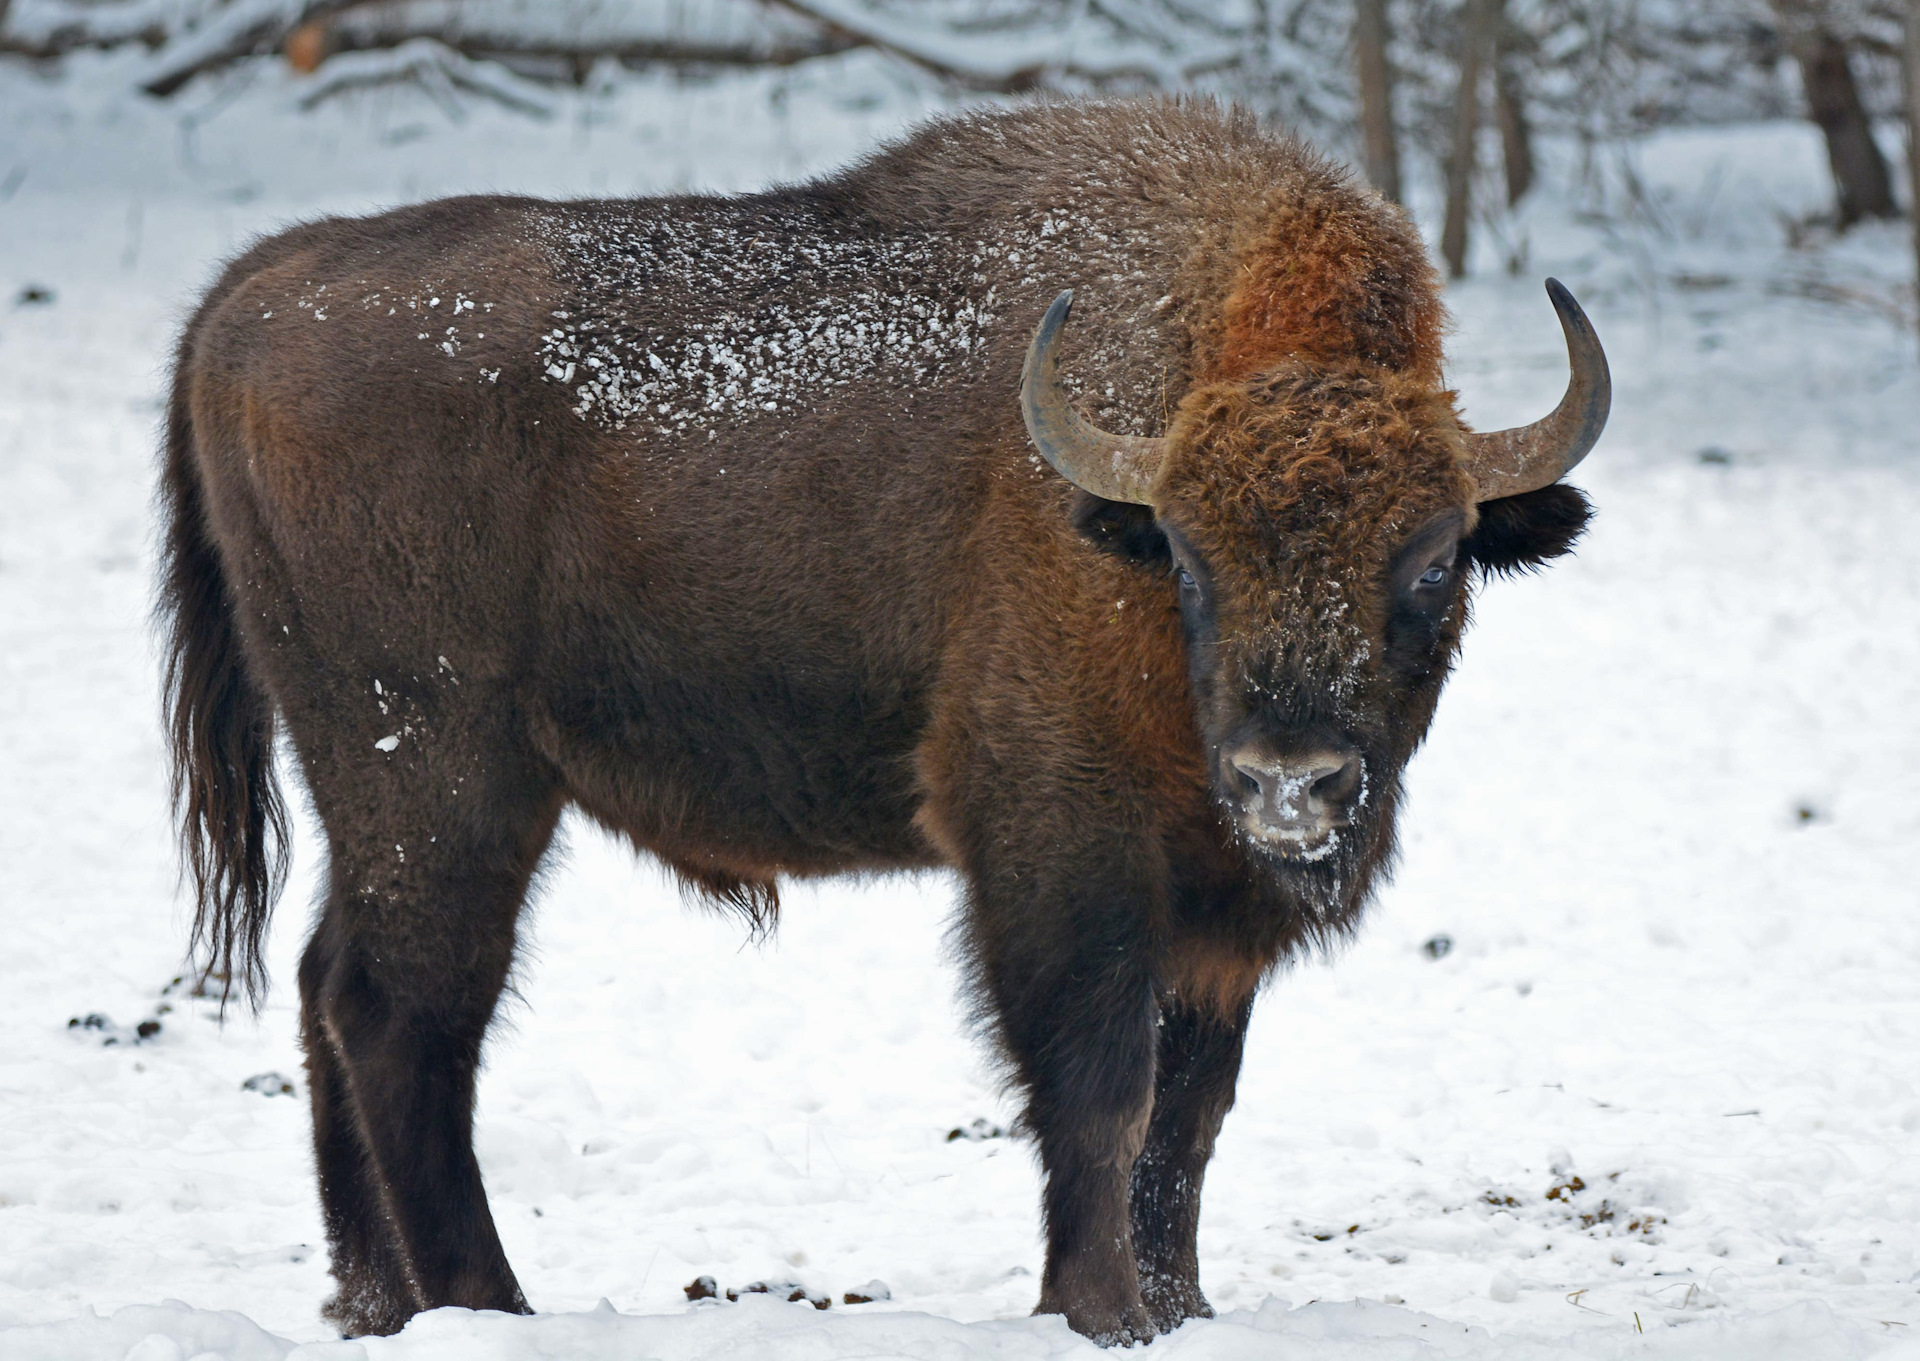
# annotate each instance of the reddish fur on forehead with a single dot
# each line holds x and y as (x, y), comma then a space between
(1336, 464)
(1347, 429)
(1337, 274)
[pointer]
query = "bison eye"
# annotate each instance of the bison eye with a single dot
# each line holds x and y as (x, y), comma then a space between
(1187, 583)
(1433, 576)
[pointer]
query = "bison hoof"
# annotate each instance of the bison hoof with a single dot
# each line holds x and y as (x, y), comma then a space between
(1105, 1326)
(1174, 1305)
(359, 1310)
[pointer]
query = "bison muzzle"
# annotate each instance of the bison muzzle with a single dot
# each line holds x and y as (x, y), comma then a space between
(770, 532)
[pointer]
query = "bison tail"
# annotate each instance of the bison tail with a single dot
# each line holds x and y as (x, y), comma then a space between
(220, 727)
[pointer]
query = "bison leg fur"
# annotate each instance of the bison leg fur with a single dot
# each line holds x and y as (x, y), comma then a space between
(398, 986)
(1199, 1063)
(374, 1293)
(1071, 999)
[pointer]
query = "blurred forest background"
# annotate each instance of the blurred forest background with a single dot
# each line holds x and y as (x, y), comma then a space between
(1458, 90)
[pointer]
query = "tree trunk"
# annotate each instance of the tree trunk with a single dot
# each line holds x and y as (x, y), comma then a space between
(1910, 68)
(1380, 147)
(1862, 185)
(1476, 32)
(1516, 135)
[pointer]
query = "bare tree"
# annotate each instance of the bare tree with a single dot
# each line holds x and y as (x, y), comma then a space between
(1910, 70)
(1863, 187)
(1477, 20)
(1380, 146)
(1510, 109)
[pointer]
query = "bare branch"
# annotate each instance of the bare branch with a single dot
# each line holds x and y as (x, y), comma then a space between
(437, 69)
(243, 29)
(1011, 62)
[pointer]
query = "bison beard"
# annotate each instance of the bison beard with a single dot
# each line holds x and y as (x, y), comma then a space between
(717, 520)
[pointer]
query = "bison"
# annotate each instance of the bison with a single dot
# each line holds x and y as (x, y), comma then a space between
(758, 530)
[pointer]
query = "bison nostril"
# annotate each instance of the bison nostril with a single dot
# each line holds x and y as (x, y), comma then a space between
(1247, 775)
(1339, 784)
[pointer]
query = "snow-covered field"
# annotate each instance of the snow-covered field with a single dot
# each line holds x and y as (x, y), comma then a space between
(1660, 1097)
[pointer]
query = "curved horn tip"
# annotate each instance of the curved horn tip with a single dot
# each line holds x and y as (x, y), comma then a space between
(1566, 304)
(1058, 310)
(1114, 467)
(1050, 326)
(1526, 458)
(1582, 337)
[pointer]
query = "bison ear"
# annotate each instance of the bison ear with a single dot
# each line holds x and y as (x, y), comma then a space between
(1121, 528)
(1524, 532)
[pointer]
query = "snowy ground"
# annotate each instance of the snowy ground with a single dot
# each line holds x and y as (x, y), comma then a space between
(1660, 1098)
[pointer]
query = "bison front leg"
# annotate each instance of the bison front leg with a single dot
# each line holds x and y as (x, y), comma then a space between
(1067, 983)
(1199, 1063)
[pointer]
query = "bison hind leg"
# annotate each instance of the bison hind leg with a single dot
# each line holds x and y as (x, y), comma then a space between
(755, 901)
(364, 1304)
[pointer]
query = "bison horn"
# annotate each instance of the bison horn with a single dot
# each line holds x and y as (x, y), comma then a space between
(1528, 457)
(1116, 467)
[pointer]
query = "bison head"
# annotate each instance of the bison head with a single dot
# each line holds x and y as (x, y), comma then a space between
(1323, 525)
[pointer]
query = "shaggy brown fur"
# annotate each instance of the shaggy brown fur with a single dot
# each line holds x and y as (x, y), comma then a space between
(715, 518)
(1331, 279)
